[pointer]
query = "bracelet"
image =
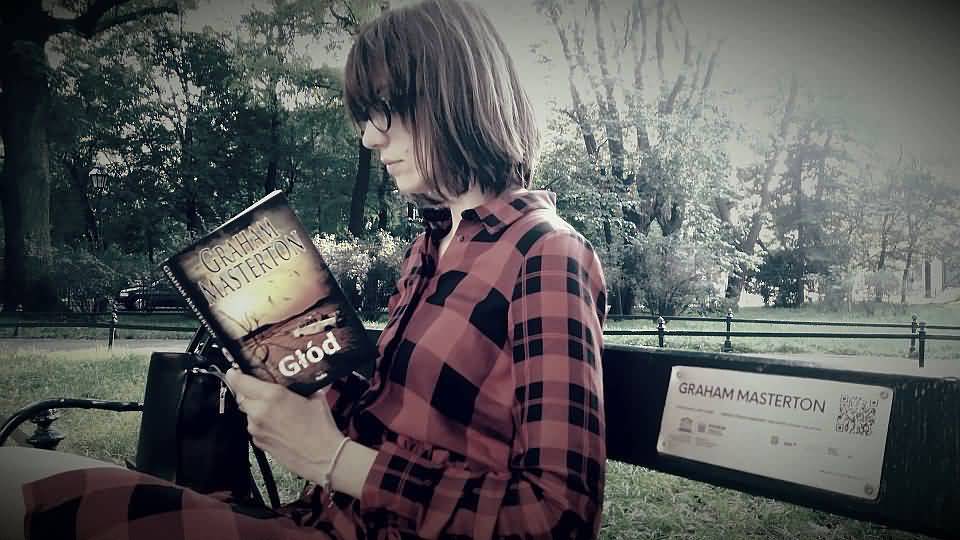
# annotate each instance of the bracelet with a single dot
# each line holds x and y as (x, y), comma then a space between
(325, 479)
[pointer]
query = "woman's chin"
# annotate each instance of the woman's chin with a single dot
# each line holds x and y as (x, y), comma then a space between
(410, 186)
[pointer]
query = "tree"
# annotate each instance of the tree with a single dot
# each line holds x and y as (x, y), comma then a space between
(759, 177)
(641, 139)
(287, 90)
(674, 273)
(25, 29)
(351, 19)
(96, 103)
(653, 143)
(929, 214)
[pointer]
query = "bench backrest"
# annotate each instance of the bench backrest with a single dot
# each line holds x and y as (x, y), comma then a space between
(920, 482)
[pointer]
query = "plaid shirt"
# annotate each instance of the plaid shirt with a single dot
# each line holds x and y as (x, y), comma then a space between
(486, 406)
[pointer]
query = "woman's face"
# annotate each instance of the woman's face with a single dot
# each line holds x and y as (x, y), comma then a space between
(395, 145)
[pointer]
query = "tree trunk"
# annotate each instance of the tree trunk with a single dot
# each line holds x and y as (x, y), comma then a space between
(906, 275)
(884, 241)
(193, 217)
(913, 237)
(801, 230)
(26, 178)
(360, 188)
(383, 212)
(608, 102)
(735, 280)
(151, 251)
(80, 180)
(273, 166)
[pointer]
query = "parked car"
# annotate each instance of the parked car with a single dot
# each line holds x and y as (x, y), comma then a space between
(159, 294)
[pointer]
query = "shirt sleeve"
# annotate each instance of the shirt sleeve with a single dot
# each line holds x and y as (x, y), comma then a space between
(553, 487)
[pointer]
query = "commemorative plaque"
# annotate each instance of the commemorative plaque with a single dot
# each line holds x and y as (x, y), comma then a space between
(824, 434)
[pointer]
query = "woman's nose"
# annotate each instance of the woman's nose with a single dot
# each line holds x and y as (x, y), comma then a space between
(373, 138)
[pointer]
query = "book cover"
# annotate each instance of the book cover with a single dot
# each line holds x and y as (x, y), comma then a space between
(263, 290)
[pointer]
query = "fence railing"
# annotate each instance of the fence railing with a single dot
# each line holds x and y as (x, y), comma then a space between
(108, 320)
(918, 335)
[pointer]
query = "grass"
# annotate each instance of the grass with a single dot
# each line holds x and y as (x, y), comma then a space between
(640, 503)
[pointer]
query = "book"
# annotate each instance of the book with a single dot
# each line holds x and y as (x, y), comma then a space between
(263, 291)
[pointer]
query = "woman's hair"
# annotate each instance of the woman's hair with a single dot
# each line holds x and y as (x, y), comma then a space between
(446, 74)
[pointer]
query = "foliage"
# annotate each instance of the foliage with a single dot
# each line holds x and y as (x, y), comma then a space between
(884, 281)
(367, 269)
(86, 282)
(704, 247)
(775, 280)
(639, 149)
(654, 136)
(673, 275)
(193, 126)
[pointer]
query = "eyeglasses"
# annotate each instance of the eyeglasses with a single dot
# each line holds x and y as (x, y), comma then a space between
(378, 114)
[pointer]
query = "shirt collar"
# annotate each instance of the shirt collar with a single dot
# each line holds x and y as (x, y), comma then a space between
(495, 215)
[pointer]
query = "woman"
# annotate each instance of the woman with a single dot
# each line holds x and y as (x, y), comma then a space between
(484, 418)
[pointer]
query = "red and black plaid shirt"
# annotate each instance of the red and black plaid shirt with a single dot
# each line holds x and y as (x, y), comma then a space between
(487, 405)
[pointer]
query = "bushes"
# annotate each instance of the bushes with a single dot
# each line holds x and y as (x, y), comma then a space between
(87, 281)
(367, 269)
(673, 276)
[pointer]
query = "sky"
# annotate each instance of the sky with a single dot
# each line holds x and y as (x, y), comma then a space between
(894, 64)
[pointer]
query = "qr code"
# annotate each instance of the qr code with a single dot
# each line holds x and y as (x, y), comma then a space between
(857, 415)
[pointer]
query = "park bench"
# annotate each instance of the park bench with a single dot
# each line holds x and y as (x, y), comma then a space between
(665, 408)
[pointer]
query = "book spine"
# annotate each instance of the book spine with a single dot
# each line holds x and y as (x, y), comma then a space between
(190, 303)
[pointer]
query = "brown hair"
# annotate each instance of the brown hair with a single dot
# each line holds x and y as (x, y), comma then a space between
(447, 75)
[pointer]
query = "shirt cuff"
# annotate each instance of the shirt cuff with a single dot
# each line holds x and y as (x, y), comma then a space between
(391, 484)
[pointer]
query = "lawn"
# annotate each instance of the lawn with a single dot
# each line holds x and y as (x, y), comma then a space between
(639, 503)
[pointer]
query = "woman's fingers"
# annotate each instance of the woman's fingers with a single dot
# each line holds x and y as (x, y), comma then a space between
(292, 428)
(251, 387)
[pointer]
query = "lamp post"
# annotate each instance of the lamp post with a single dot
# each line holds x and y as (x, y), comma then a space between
(98, 180)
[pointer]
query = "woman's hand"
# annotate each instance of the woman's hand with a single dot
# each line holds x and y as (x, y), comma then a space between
(298, 432)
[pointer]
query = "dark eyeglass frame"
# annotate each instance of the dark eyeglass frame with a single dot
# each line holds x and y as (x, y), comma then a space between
(380, 108)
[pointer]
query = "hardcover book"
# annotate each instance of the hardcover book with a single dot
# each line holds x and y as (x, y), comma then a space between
(262, 289)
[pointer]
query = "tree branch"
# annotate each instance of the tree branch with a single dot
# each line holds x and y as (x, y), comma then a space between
(669, 104)
(348, 22)
(170, 8)
(579, 115)
(659, 37)
(92, 21)
(710, 67)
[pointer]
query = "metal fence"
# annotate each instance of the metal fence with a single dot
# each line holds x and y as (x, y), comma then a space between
(108, 320)
(918, 335)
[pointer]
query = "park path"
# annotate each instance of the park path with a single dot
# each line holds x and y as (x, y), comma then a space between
(122, 346)
(939, 368)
